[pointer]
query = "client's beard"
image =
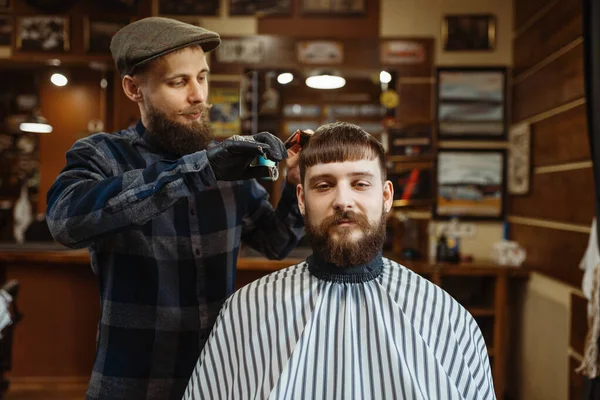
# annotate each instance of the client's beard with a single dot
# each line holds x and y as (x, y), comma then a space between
(344, 251)
(176, 138)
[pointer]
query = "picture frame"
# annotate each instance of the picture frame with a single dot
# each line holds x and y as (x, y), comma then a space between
(260, 7)
(225, 116)
(189, 7)
(321, 52)
(410, 141)
(519, 156)
(98, 32)
(413, 183)
(329, 8)
(6, 30)
(471, 103)
(43, 33)
(471, 184)
(469, 32)
(401, 52)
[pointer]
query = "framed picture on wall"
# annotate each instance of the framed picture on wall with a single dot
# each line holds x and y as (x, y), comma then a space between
(328, 7)
(471, 103)
(260, 7)
(471, 184)
(469, 32)
(225, 112)
(43, 33)
(413, 183)
(188, 7)
(98, 32)
(6, 30)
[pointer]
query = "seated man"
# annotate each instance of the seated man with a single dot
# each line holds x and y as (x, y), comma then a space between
(347, 323)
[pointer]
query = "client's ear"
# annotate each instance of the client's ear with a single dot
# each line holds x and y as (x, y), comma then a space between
(300, 196)
(388, 195)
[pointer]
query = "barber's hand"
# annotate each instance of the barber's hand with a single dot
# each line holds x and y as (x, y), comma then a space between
(230, 160)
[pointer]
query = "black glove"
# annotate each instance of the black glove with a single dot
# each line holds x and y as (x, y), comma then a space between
(230, 160)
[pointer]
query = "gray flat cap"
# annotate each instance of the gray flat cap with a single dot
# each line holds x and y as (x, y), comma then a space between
(153, 37)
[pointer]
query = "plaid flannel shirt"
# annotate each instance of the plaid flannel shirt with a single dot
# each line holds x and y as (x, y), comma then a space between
(164, 237)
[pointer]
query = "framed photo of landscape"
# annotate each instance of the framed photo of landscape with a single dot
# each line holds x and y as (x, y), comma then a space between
(471, 103)
(471, 184)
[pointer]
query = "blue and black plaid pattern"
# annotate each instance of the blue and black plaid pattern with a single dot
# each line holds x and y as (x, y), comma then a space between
(164, 237)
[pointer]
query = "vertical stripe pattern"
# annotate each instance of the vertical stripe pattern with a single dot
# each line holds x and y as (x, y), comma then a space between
(290, 335)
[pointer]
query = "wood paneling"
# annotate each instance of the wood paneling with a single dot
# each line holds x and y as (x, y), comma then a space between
(558, 27)
(565, 196)
(562, 138)
(579, 326)
(526, 9)
(555, 84)
(415, 102)
(68, 109)
(553, 252)
(323, 26)
(575, 380)
(60, 306)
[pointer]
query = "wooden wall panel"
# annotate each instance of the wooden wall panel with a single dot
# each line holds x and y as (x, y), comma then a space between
(553, 85)
(60, 306)
(565, 196)
(526, 9)
(578, 322)
(551, 251)
(562, 138)
(561, 25)
(322, 26)
(68, 109)
(415, 102)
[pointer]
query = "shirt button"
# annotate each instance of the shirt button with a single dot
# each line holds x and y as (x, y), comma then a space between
(197, 252)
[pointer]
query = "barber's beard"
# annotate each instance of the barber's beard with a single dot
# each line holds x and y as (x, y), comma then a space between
(344, 250)
(177, 138)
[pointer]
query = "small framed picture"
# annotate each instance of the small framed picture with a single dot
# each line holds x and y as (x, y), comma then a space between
(471, 103)
(328, 7)
(259, 7)
(469, 32)
(470, 184)
(413, 183)
(188, 7)
(45, 33)
(98, 32)
(6, 29)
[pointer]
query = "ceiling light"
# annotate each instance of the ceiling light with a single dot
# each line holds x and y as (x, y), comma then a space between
(285, 78)
(385, 77)
(35, 123)
(59, 79)
(325, 80)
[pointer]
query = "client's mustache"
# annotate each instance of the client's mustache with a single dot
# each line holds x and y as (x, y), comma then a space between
(197, 109)
(350, 216)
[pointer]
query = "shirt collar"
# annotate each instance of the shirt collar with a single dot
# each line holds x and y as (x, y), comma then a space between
(356, 274)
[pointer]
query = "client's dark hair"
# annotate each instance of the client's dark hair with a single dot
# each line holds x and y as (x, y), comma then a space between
(339, 142)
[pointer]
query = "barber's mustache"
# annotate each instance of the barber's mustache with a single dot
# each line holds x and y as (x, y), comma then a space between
(197, 109)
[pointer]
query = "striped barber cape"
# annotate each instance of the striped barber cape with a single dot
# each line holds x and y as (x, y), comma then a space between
(377, 331)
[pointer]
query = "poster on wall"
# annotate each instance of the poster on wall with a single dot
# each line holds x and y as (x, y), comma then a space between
(470, 184)
(225, 113)
(398, 52)
(240, 50)
(519, 145)
(320, 52)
